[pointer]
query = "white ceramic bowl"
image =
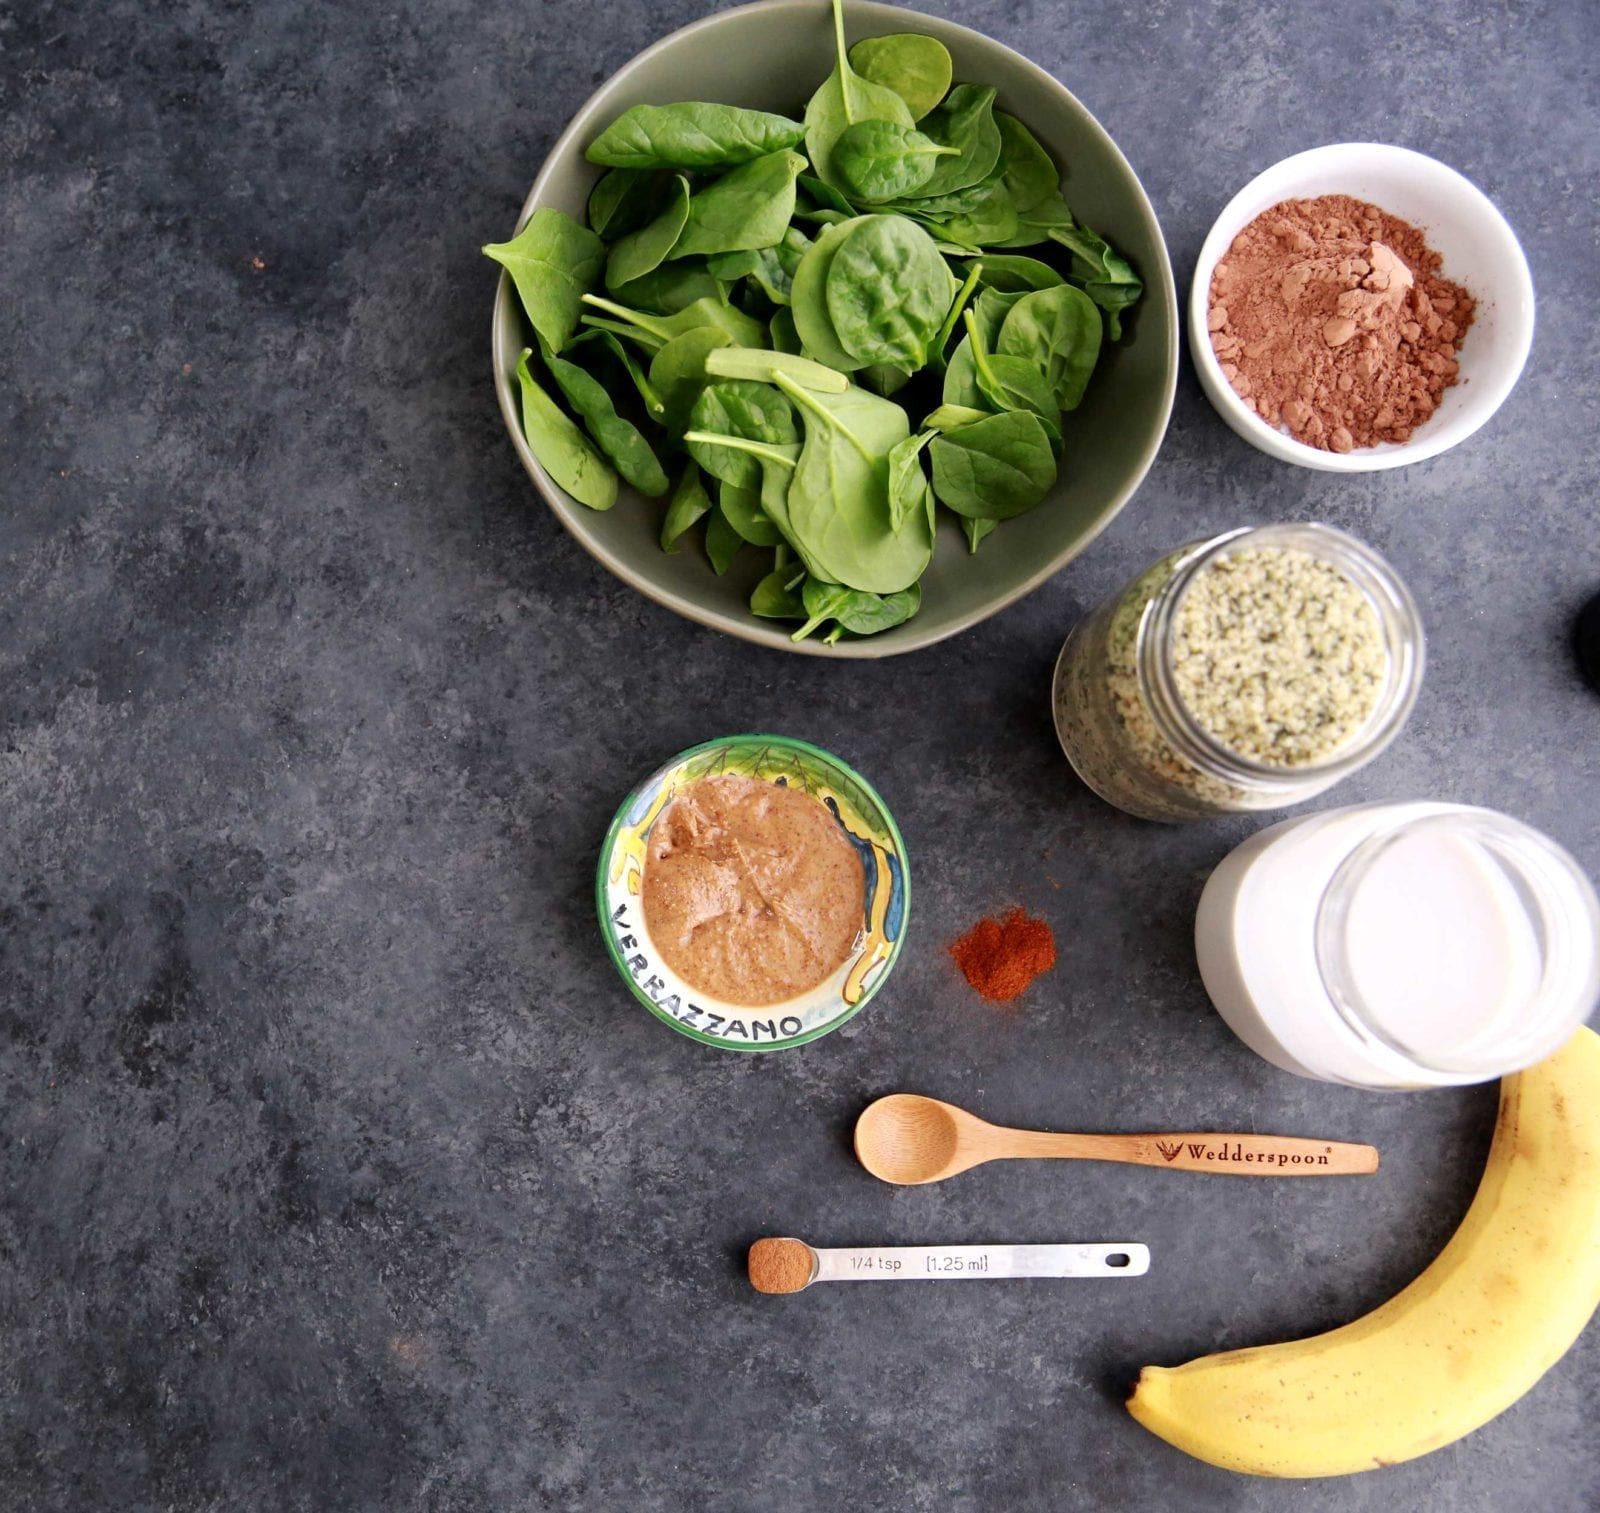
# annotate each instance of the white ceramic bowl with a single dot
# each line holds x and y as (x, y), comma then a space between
(1480, 251)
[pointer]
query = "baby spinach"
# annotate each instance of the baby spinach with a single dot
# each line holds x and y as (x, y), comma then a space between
(647, 395)
(692, 134)
(880, 160)
(952, 417)
(753, 411)
(994, 468)
(722, 541)
(914, 66)
(689, 502)
(965, 121)
(961, 378)
(554, 262)
(716, 314)
(845, 98)
(776, 597)
(1011, 273)
(751, 206)
(1108, 278)
(908, 484)
(953, 314)
(887, 289)
(616, 436)
(975, 530)
(678, 373)
(641, 251)
(809, 299)
(863, 613)
(825, 195)
(772, 268)
(741, 505)
(1036, 224)
(624, 199)
(1012, 383)
(1030, 174)
(561, 448)
(785, 337)
(991, 222)
(837, 504)
(1058, 331)
(668, 289)
(764, 364)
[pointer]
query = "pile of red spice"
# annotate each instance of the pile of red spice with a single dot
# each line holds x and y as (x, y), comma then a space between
(1000, 957)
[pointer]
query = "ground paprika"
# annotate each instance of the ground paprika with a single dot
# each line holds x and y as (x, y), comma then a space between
(1000, 957)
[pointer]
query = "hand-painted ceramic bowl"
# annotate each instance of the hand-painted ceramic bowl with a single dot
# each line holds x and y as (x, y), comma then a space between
(867, 825)
(771, 56)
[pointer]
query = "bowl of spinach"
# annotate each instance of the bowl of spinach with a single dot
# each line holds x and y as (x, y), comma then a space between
(835, 327)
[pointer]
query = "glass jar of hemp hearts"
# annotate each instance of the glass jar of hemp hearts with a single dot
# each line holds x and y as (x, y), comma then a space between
(1250, 671)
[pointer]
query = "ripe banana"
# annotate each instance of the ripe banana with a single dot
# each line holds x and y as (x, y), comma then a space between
(1498, 1307)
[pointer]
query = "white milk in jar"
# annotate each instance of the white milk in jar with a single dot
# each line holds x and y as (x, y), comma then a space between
(1400, 945)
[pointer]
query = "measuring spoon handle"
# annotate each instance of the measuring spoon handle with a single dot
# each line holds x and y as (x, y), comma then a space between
(1234, 1155)
(948, 1263)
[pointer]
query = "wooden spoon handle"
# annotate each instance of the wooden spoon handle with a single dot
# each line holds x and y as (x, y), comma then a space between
(1236, 1155)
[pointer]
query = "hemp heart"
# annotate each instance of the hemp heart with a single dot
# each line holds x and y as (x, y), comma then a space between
(1332, 318)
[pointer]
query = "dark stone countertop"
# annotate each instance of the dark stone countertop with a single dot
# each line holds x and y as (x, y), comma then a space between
(337, 1171)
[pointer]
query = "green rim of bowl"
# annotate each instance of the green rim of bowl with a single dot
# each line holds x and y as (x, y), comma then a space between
(790, 743)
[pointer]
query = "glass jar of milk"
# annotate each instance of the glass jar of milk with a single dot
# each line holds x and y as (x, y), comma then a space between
(1400, 945)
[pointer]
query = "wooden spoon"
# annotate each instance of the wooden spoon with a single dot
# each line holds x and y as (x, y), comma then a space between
(908, 1139)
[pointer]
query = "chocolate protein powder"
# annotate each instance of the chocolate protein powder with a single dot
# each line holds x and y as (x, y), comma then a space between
(1332, 318)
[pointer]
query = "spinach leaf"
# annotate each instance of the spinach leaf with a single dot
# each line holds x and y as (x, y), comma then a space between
(825, 195)
(845, 98)
(863, 613)
(914, 66)
(961, 378)
(1012, 383)
(781, 330)
(772, 268)
(692, 134)
(668, 289)
(616, 436)
(678, 373)
(908, 484)
(975, 530)
(953, 314)
(1030, 174)
(689, 502)
(809, 299)
(751, 206)
(741, 506)
(624, 355)
(952, 417)
(744, 330)
(1012, 274)
(561, 448)
(887, 289)
(837, 506)
(965, 121)
(775, 596)
(624, 199)
(763, 365)
(883, 378)
(1035, 224)
(646, 249)
(1058, 331)
(754, 411)
(991, 222)
(722, 541)
(1108, 278)
(553, 261)
(994, 468)
(879, 160)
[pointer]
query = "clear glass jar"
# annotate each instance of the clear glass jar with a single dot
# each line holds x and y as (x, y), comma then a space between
(1130, 736)
(1400, 945)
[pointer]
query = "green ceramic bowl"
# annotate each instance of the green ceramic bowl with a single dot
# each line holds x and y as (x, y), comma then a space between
(771, 56)
(868, 826)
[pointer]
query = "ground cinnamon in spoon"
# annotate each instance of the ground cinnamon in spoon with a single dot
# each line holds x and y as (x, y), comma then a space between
(780, 1265)
(1331, 317)
(1000, 957)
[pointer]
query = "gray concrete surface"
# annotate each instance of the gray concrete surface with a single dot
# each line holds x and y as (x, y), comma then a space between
(337, 1171)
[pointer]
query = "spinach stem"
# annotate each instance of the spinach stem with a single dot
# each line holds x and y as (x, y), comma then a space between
(957, 305)
(654, 325)
(808, 401)
(755, 448)
(980, 357)
(844, 61)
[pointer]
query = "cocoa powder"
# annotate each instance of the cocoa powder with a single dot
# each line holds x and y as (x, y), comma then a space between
(1331, 317)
